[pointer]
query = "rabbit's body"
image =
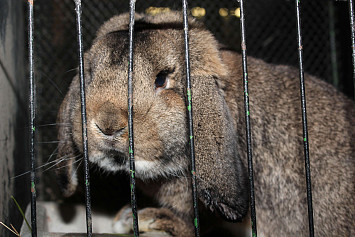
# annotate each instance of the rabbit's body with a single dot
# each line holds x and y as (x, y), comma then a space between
(278, 154)
(161, 141)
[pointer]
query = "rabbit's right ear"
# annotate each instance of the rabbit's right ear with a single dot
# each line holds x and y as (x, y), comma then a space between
(65, 170)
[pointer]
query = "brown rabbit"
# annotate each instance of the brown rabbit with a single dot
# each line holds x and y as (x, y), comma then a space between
(160, 132)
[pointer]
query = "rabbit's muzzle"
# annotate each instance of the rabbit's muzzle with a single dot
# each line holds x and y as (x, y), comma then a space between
(156, 152)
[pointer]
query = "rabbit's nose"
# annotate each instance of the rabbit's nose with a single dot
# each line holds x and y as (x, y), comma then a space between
(110, 131)
(111, 120)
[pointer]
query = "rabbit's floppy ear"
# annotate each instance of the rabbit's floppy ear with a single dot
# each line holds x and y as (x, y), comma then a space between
(66, 172)
(222, 180)
(221, 175)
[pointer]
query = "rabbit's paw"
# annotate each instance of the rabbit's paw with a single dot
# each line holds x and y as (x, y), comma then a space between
(122, 224)
(152, 222)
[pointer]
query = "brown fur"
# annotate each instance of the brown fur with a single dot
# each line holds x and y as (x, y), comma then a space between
(160, 131)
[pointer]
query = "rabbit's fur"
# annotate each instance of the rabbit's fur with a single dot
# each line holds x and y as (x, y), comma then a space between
(161, 133)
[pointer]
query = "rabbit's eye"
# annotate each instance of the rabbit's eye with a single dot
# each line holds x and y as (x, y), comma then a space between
(161, 80)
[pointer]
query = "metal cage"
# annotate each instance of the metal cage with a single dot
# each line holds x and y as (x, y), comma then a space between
(248, 111)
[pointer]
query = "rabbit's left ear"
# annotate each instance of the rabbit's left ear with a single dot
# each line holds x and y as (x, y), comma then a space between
(66, 170)
(221, 175)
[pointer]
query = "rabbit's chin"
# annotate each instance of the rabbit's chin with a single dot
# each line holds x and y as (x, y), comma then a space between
(144, 169)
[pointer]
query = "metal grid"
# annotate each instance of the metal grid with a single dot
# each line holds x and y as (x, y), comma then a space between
(243, 47)
(270, 28)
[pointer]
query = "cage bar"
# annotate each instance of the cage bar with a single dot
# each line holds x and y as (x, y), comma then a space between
(304, 121)
(247, 119)
(352, 28)
(130, 118)
(32, 105)
(190, 119)
(78, 11)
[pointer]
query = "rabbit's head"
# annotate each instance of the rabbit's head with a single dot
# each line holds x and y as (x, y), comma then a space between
(159, 110)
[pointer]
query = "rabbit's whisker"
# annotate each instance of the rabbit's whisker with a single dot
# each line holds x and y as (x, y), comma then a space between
(54, 124)
(46, 164)
(76, 170)
(51, 142)
(53, 153)
(64, 165)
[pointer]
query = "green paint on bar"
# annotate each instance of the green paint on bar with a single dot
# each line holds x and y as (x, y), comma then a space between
(189, 107)
(189, 94)
(253, 233)
(191, 137)
(305, 139)
(196, 225)
(33, 128)
(130, 150)
(248, 113)
(33, 187)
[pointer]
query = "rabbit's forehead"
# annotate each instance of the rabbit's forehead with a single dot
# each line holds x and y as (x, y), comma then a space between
(158, 48)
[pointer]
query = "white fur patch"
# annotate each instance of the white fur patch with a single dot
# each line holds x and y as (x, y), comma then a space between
(144, 169)
(153, 169)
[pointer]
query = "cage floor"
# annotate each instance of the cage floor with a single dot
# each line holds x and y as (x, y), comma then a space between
(59, 220)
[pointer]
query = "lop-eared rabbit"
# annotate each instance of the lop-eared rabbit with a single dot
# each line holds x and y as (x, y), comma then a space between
(161, 132)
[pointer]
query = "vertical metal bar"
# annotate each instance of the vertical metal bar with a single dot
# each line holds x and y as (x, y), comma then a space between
(32, 119)
(130, 119)
(83, 118)
(352, 28)
(247, 119)
(190, 118)
(304, 121)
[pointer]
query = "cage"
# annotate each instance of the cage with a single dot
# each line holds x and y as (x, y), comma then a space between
(271, 35)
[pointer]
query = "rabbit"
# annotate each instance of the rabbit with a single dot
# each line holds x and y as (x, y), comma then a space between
(161, 151)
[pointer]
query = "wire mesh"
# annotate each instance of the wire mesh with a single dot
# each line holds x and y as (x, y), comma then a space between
(269, 33)
(270, 30)
(352, 29)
